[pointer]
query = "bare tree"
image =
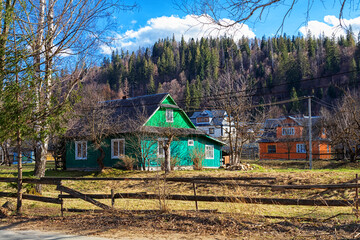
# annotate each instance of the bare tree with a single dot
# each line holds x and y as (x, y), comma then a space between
(244, 11)
(94, 120)
(60, 34)
(342, 124)
(244, 121)
(142, 143)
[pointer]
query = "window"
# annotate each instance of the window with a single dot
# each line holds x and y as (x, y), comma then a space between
(190, 142)
(202, 119)
(328, 148)
(161, 150)
(117, 148)
(271, 148)
(169, 115)
(211, 131)
(301, 148)
(288, 131)
(209, 151)
(80, 150)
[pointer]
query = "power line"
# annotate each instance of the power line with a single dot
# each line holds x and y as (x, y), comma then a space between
(214, 96)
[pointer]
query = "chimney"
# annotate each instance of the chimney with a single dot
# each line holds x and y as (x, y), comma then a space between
(124, 97)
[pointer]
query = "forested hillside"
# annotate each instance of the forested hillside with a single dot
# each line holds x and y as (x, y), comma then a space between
(276, 68)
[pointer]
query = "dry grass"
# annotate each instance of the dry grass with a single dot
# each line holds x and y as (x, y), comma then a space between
(225, 219)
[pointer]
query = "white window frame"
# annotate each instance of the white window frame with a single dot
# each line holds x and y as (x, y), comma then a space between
(169, 115)
(300, 148)
(82, 143)
(209, 152)
(118, 141)
(288, 131)
(190, 142)
(161, 146)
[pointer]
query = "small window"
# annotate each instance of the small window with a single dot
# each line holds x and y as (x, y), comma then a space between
(117, 148)
(328, 148)
(80, 150)
(169, 115)
(211, 130)
(288, 131)
(271, 148)
(161, 150)
(209, 151)
(202, 119)
(301, 148)
(190, 142)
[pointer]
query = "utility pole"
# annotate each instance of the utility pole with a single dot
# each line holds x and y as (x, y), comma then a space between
(310, 134)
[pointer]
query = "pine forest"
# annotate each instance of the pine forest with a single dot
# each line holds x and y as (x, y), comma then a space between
(275, 69)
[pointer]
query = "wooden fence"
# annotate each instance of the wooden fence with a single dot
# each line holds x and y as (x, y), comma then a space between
(72, 193)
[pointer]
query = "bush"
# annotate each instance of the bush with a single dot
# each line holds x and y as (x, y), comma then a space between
(197, 157)
(126, 163)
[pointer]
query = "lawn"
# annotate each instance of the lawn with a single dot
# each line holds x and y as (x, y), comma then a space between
(285, 172)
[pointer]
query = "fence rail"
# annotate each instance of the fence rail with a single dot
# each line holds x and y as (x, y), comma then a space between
(73, 194)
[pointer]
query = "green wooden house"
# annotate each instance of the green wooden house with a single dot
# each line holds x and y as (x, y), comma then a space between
(155, 118)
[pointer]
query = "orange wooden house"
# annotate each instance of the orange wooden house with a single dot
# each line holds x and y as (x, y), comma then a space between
(288, 138)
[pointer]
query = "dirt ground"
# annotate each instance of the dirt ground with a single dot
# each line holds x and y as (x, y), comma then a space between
(185, 225)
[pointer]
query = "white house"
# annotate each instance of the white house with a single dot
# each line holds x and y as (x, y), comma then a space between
(213, 122)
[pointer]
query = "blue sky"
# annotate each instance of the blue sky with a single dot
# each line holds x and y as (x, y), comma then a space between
(160, 19)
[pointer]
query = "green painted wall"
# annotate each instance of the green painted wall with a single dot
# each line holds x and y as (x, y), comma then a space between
(159, 119)
(179, 149)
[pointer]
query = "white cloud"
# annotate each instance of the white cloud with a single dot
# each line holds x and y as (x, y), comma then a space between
(133, 21)
(331, 26)
(189, 26)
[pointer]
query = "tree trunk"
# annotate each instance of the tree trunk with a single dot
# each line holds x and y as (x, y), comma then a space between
(167, 163)
(19, 179)
(5, 148)
(40, 161)
(100, 159)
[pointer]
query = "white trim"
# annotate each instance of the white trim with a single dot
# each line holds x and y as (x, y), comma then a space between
(209, 153)
(119, 141)
(190, 142)
(151, 115)
(169, 112)
(82, 143)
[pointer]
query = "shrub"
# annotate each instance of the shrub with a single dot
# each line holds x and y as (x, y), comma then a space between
(126, 163)
(197, 157)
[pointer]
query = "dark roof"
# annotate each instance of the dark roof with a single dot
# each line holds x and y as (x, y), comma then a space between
(137, 108)
(126, 114)
(130, 115)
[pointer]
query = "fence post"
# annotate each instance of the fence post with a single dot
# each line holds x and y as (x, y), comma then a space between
(357, 198)
(62, 205)
(112, 198)
(62, 202)
(196, 203)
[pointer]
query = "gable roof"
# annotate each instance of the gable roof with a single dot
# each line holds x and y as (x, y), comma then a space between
(138, 108)
(133, 113)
